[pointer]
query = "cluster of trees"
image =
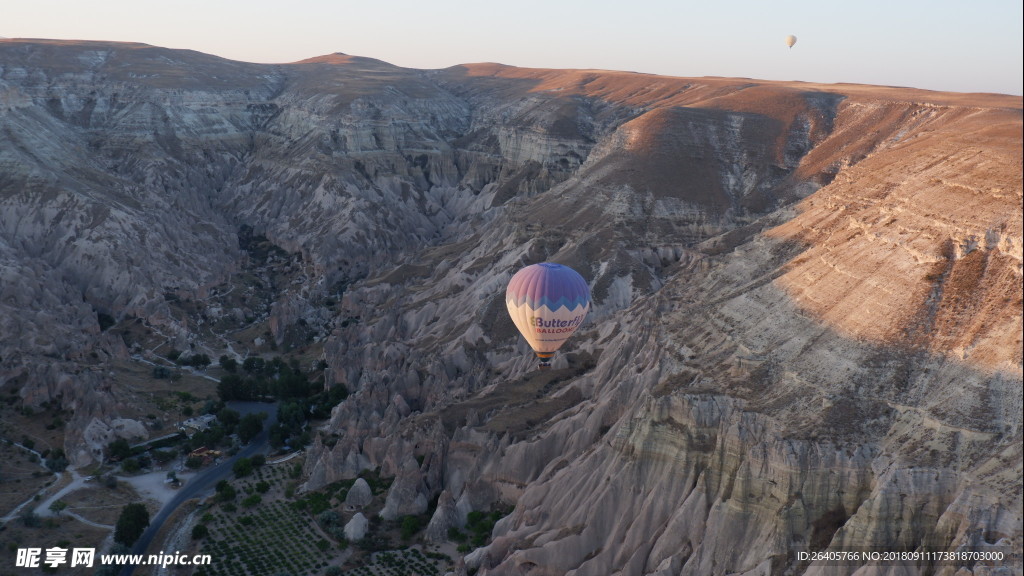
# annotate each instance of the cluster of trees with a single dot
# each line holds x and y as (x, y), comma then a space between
(132, 460)
(56, 460)
(200, 361)
(292, 415)
(119, 449)
(290, 428)
(218, 434)
(247, 427)
(260, 379)
(254, 379)
(480, 525)
(332, 523)
(245, 466)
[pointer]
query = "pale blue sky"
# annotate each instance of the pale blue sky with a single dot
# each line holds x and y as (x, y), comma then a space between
(937, 44)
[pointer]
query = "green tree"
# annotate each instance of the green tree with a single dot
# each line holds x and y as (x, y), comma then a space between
(119, 449)
(249, 427)
(229, 364)
(233, 387)
(199, 531)
(229, 418)
(105, 321)
(199, 361)
(277, 435)
(242, 467)
(131, 523)
(225, 492)
(56, 460)
(410, 526)
(254, 365)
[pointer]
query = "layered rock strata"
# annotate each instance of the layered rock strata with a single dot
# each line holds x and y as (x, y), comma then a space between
(807, 316)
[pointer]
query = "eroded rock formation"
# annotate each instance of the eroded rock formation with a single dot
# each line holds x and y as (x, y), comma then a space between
(807, 321)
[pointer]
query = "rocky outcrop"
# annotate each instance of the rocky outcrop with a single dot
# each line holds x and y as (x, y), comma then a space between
(359, 495)
(445, 517)
(355, 529)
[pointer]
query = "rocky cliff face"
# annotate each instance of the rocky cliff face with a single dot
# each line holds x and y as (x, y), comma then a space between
(807, 322)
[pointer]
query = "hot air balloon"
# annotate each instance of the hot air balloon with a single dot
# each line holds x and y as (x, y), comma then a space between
(790, 40)
(547, 303)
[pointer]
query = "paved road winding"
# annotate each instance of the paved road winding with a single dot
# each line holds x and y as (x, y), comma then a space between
(206, 480)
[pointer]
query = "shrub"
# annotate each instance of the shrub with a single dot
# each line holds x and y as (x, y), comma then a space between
(329, 518)
(249, 427)
(225, 492)
(131, 523)
(56, 460)
(162, 456)
(242, 467)
(410, 526)
(228, 364)
(254, 365)
(199, 361)
(29, 519)
(119, 449)
(104, 320)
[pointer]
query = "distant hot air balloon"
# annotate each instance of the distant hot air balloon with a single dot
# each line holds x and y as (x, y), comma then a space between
(790, 40)
(547, 303)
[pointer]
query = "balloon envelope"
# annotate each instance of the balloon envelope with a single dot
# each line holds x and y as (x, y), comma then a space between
(547, 303)
(790, 40)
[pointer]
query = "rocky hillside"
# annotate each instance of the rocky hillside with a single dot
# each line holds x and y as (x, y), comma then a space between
(806, 331)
